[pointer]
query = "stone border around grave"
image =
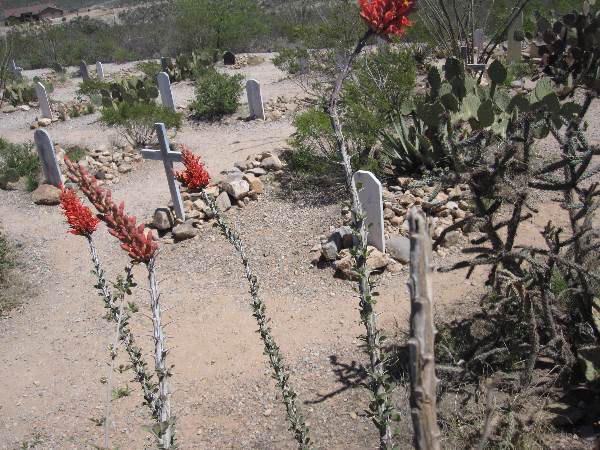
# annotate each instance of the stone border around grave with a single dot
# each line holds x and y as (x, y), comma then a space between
(237, 186)
(444, 210)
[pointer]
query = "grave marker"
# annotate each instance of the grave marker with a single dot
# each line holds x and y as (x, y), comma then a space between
(304, 66)
(168, 158)
(228, 59)
(255, 101)
(100, 70)
(478, 37)
(370, 196)
(40, 91)
(83, 70)
(164, 86)
(47, 155)
(514, 45)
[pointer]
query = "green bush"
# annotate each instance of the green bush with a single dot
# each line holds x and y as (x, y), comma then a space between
(217, 95)
(381, 82)
(136, 120)
(76, 153)
(149, 68)
(16, 161)
(288, 59)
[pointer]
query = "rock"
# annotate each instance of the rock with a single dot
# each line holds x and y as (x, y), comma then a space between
(163, 219)
(223, 201)
(8, 109)
(344, 267)
(272, 163)
(125, 168)
(237, 188)
(388, 214)
(397, 221)
(451, 205)
(329, 250)
(377, 260)
(33, 125)
(398, 247)
(46, 194)
(44, 122)
(452, 238)
(24, 107)
(258, 171)
(212, 191)
(344, 237)
(184, 231)
(256, 186)
(406, 199)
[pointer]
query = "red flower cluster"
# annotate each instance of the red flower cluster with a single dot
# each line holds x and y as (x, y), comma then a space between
(140, 246)
(79, 217)
(195, 175)
(387, 16)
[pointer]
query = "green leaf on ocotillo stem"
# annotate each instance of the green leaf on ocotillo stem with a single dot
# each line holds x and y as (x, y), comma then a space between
(485, 114)
(497, 72)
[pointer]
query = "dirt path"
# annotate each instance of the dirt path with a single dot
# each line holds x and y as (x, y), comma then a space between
(54, 348)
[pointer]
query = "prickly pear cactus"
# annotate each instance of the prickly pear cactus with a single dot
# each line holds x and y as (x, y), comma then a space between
(570, 47)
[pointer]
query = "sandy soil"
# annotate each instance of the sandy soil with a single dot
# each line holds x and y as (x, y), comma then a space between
(53, 349)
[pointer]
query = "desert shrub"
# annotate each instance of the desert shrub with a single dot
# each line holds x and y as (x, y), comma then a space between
(76, 153)
(136, 120)
(149, 68)
(217, 95)
(288, 59)
(381, 82)
(7, 298)
(217, 24)
(16, 161)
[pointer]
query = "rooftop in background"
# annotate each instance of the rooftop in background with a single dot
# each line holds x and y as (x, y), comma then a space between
(33, 11)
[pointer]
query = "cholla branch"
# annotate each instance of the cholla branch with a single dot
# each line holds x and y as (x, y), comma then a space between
(165, 431)
(423, 381)
(280, 372)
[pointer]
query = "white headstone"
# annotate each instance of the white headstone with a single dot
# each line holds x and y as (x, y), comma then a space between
(100, 70)
(40, 90)
(47, 155)
(370, 195)
(478, 37)
(164, 86)
(168, 158)
(255, 101)
(83, 70)
(514, 46)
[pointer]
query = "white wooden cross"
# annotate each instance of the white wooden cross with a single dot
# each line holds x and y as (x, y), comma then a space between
(168, 157)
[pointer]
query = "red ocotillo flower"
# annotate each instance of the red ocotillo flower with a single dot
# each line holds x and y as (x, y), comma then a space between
(386, 17)
(139, 245)
(79, 217)
(195, 175)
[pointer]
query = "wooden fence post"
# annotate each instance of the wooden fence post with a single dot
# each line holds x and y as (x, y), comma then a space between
(423, 381)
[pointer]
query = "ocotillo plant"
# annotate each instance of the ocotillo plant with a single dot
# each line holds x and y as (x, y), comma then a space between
(142, 249)
(83, 223)
(384, 18)
(196, 178)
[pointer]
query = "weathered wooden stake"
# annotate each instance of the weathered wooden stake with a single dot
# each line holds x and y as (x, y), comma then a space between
(423, 382)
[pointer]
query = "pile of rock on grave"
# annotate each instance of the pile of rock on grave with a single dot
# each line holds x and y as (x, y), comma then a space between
(107, 166)
(283, 106)
(237, 186)
(445, 209)
(64, 111)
